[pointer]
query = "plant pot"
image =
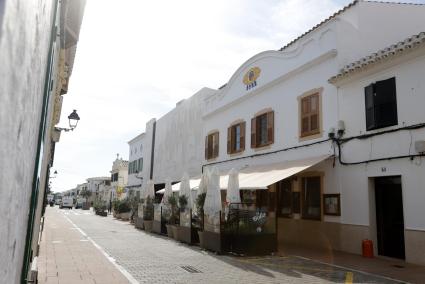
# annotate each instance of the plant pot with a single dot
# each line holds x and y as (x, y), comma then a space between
(148, 225)
(175, 229)
(125, 216)
(169, 230)
(201, 238)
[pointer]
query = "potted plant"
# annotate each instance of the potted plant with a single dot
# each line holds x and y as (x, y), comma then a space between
(200, 201)
(124, 210)
(148, 214)
(115, 206)
(100, 208)
(172, 201)
(134, 206)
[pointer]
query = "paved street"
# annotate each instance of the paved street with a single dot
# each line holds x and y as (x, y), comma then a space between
(149, 258)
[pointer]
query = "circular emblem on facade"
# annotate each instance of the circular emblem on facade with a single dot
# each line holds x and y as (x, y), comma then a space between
(250, 78)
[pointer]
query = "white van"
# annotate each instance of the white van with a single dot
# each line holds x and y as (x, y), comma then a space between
(67, 202)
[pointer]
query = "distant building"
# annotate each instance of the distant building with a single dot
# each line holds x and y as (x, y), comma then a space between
(93, 185)
(119, 178)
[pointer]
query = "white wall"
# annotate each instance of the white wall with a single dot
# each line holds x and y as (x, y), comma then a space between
(25, 28)
(409, 72)
(179, 140)
(137, 150)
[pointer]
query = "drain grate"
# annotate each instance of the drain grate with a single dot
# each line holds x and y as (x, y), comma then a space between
(191, 269)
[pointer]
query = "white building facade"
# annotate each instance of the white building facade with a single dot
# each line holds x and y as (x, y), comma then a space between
(349, 162)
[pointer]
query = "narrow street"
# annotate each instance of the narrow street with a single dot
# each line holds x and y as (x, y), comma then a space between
(80, 247)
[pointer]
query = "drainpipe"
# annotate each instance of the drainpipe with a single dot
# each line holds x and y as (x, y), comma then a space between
(153, 149)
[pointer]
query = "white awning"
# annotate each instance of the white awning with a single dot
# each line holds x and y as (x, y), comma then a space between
(260, 177)
(194, 183)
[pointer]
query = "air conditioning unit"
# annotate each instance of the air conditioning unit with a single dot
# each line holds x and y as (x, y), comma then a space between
(420, 146)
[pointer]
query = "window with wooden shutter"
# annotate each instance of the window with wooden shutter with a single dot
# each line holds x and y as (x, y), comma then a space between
(381, 104)
(310, 115)
(215, 145)
(236, 138)
(212, 146)
(254, 132)
(262, 130)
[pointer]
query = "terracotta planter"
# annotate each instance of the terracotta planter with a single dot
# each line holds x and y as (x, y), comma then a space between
(125, 216)
(148, 225)
(201, 238)
(175, 232)
(169, 230)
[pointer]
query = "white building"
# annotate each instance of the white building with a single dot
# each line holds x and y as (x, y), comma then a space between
(137, 157)
(277, 110)
(93, 185)
(119, 178)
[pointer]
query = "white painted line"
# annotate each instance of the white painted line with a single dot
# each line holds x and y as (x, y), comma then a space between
(57, 242)
(351, 269)
(129, 277)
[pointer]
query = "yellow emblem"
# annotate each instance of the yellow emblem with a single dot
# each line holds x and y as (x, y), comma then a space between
(250, 78)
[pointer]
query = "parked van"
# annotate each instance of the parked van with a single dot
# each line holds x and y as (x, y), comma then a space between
(58, 201)
(67, 202)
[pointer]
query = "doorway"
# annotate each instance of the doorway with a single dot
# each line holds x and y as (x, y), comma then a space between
(389, 216)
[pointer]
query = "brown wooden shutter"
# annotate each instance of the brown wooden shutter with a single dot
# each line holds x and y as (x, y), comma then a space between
(229, 140)
(206, 147)
(216, 144)
(253, 132)
(270, 127)
(243, 126)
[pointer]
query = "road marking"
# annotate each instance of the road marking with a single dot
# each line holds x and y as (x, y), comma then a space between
(349, 278)
(57, 242)
(127, 275)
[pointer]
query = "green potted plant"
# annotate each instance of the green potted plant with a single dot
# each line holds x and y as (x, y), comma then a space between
(134, 206)
(200, 201)
(172, 201)
(115, 206)
(182, 202)
(124, 210)
(148, 214)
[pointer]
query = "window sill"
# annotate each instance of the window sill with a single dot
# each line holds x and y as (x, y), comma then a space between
(310, 137)
(236, 153)
(263, 147)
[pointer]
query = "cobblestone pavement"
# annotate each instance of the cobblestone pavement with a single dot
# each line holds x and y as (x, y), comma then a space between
(151, 258)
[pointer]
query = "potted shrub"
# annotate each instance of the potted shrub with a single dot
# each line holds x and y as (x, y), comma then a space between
(124, 210)
(115, 206)
(200, 201)
(100, 208)
(148, 214)
(172, 201)
(134, 206)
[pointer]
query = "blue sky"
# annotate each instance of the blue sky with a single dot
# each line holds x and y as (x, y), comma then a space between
(136, 59)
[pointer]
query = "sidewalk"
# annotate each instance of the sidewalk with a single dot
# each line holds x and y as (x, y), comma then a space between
(387, 267)
(68, 256)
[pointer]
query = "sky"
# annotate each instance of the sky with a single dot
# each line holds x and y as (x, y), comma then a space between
(137, 58)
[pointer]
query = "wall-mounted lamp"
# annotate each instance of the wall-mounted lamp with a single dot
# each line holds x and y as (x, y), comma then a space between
(331, 133)
(341, 128)
(73, 121)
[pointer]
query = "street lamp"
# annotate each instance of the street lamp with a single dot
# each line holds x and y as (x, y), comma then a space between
(73, 121)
